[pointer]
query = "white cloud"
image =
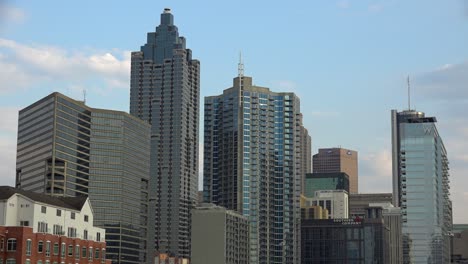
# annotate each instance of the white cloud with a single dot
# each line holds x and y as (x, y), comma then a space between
(447, 82)
(375, 172)
(11, 14)
(7, 160)
(26, 65)
(9, 120)
(343, 4)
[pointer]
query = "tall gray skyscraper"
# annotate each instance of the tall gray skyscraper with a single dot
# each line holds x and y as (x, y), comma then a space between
(421, 187)
(66, 148)
(306, 153)
(164, 91)
(253, 165)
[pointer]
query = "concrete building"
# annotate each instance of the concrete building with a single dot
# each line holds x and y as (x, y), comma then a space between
(335, 201)
(421, 187)
(338, 160)
(325, 181)
(306, 152)
(358, 203)
(253, 165)
(37, 228)
(219, 236)
(337, 241)
(165, 92)
(312, 211)
(66, 148)
(460, 243)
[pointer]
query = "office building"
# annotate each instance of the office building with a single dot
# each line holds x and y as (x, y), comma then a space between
(219, 236)
(421, 187)
(165, 91)
(338, 160)
(460, 243)
(66, 148)
(38, 228)
(335, 201)
(312, 211)
(325, 181)
(358, 203)
(336, 241)
(252, 165)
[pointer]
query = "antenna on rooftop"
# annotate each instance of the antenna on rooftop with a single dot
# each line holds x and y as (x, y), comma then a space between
(409, 94)
(240, 66)
(84, 96)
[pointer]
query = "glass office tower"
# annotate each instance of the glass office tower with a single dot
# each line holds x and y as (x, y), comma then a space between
(165, 91)
(252, 164)
(66, 148)
(421, 187)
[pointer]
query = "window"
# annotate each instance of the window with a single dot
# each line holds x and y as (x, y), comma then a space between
(2, 244)
(42, 227)
(56, 249)
(47, 249)
(40, 246)
(62, 251)
(59, 212)
(39, 262)
(77, 251)
(98, 237)
(96, 253)
(58, 230)
(70, 250)
(43, 209)
(28, 261)
(83, 252)
(85, 234)
(86, 218)
(24, 223)
(72, 216)
(71, 232)
(11, 244)
(28, 247)
(103, 255)
(90, 256)
(10, 261)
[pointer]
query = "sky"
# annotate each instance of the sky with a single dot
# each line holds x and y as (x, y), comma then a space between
(347, 60)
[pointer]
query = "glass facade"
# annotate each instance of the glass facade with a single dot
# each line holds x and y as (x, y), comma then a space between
(325, 181)
(422, 190)
(165, 92)
(252, 165)
(66, 148)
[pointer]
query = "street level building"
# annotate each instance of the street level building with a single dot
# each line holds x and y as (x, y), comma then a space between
(253, 165)
(338, 160)
(219, 236)
(66, 148)
(460, 243)
(38, 228)
(165, 92)
(325, 181)
(421, 187)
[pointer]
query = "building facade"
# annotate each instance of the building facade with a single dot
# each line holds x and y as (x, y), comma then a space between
(252, 164)
(358, 203)
(460, 243)
(337, 241)
(219, 236)
(306, 152)
(335, 201)
(66, 148)
(325, 181)
(37, 228)
(338, 160)
(165, 91)
(421, 187)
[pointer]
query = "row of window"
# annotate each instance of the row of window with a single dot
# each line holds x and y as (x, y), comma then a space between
(59, 213)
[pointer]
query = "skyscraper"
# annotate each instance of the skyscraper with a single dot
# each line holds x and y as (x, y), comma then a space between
(164, 91)
(421, 187)
(306, 152)
(338, 160)
(252, 164)
(325, 181)
(66, 148)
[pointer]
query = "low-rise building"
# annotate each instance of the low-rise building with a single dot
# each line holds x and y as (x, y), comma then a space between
(37, 228)
(219, 236)
(335, 201)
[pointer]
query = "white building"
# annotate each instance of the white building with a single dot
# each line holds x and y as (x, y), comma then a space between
(336, 201)
(69, 216)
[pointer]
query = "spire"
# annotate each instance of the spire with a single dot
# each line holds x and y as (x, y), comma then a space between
(240, 66)
(409, 94)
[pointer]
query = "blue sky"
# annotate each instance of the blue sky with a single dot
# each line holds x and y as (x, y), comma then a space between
(346, 59)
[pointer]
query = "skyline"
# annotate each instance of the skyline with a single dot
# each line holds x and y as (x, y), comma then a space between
(338, 63)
